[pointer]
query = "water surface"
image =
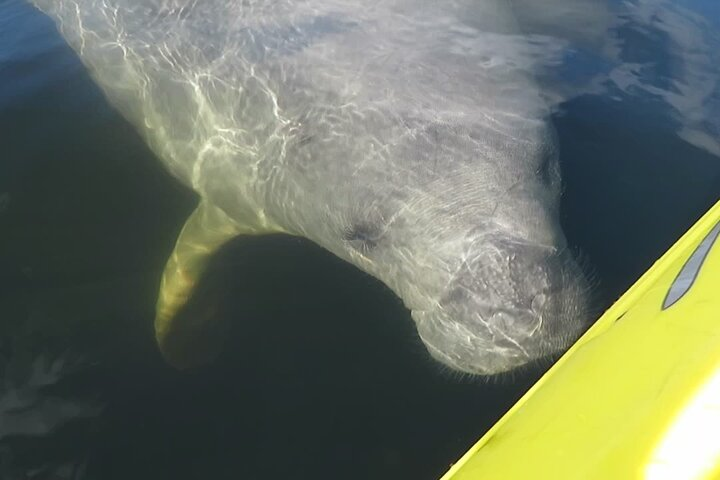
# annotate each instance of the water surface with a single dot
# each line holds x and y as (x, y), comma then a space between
(323, 375)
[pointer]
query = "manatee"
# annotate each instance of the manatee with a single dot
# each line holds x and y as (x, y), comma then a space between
(399, 135)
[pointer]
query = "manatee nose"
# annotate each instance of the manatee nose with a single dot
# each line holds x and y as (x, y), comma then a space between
(506, 273)
(546, 289)
(535, 272)
(513, 289)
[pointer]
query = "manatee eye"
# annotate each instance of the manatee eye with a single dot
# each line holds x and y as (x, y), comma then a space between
(304, 140)
(362, 237)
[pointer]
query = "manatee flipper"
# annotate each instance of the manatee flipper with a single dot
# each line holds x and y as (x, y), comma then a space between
(188, 334)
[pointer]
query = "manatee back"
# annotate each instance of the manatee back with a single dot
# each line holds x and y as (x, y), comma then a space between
(167, 67)
(219, 87)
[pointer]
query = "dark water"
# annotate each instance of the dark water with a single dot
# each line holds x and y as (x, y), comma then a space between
(323, 375)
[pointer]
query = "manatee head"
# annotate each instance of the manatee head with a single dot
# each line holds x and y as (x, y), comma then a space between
(459, 218)
(509, 303)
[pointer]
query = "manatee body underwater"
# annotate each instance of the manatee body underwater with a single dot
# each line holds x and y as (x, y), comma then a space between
(396, 134)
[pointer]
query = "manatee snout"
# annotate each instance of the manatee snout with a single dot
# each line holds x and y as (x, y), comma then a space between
(509, 303)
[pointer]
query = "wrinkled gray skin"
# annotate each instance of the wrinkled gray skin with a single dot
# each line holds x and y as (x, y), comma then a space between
(399, 135)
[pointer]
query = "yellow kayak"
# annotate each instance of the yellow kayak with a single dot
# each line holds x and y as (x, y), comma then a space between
(637, 396)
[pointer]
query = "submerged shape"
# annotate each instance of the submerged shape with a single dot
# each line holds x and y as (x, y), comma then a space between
(399, 135)
(25, 407)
